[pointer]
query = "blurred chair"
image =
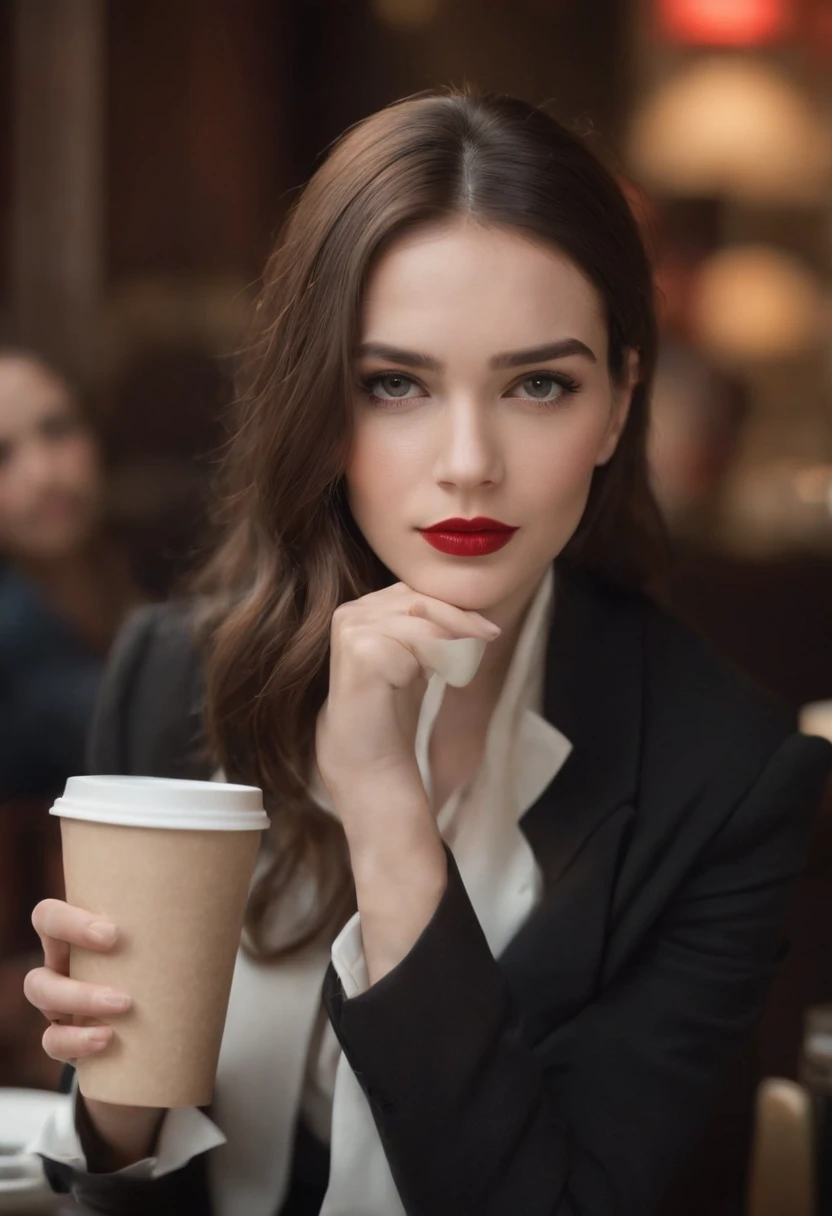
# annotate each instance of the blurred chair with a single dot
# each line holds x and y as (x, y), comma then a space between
(782, 1176)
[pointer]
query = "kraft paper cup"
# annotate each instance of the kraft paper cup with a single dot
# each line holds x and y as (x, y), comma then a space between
(170, 863)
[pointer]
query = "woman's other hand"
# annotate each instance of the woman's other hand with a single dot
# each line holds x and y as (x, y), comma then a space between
(61, 999)
(112, 1135)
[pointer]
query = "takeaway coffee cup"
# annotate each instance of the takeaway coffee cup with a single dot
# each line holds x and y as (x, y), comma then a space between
(170, 863)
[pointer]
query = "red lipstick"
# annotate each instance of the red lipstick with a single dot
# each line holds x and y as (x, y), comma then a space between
(468, 537)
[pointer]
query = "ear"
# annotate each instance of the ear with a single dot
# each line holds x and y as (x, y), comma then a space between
(620, 407)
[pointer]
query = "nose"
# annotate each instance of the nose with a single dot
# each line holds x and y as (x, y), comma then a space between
(469, 455)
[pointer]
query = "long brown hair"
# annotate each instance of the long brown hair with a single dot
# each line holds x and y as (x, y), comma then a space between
(290, 553)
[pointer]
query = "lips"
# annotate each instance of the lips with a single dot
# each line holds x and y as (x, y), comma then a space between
(468, 537)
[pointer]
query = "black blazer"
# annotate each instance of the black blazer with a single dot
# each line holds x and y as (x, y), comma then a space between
(572, 1075)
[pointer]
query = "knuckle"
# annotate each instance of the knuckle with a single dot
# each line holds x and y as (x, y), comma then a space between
(342, 614)
(365, 646)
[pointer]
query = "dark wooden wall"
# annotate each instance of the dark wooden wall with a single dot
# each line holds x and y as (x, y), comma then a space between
(217, 109)
(196, 150)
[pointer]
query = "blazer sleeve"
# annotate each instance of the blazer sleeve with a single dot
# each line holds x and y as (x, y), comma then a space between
(594, 1119)
(117, 723)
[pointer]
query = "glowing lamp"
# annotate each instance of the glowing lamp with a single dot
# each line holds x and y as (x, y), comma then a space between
(753, 303)
(733, 127)
(723, 22)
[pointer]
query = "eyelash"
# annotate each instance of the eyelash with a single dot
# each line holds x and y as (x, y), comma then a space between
(569, 386)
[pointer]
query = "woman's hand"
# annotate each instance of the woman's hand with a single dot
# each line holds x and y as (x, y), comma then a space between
(377, 678)
(60, 998)
(125, 1133)
(366, 757)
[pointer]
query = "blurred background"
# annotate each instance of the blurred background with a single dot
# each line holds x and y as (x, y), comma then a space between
(148, 150)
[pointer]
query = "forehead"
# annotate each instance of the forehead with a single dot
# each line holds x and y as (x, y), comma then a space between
(463, 281)
(27, 391)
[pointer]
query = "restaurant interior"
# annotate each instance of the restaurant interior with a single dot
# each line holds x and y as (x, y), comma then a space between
(148, 152)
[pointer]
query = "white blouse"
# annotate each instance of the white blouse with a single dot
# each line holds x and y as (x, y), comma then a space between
(280, 1059)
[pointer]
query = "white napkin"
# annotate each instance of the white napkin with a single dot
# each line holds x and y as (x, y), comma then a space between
(456, 660)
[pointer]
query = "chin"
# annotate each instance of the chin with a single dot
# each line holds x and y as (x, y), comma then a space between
(477, 588)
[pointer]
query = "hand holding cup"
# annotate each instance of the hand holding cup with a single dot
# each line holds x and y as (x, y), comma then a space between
(78, 1013)
(60, 999)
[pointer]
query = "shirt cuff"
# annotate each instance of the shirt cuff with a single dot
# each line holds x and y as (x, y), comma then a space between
(448, 976)
(185, 1133)
(348, 958)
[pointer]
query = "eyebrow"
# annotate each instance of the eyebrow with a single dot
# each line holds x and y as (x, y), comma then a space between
(515, 358)
(542, 354)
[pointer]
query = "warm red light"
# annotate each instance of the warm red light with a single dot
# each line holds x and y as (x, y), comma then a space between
(724, 22)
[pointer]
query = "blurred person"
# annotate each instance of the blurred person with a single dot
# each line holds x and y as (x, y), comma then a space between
(64, 589)
(64, 580)
(507, 936)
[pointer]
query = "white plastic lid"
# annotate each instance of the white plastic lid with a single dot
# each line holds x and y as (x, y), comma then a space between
(163, 802)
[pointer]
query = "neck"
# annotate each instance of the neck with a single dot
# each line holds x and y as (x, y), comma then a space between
(510, 616)
(461, 727)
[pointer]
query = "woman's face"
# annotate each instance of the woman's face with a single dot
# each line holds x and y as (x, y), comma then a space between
(50, 477)
(482, 393)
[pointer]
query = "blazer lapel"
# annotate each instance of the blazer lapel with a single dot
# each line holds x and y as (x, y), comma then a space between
(579, 825)
(592, 694)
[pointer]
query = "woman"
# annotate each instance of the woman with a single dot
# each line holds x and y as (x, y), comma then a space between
(64, 586)
(568, 874)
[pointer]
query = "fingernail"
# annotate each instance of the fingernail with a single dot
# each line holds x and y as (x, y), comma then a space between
(102, 933)
(493, 630)
(97, 1036)
(110, 999)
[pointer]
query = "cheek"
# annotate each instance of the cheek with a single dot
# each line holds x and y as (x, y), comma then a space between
(381, 465)
(79, 467)
(557, 469)
(13, 498)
